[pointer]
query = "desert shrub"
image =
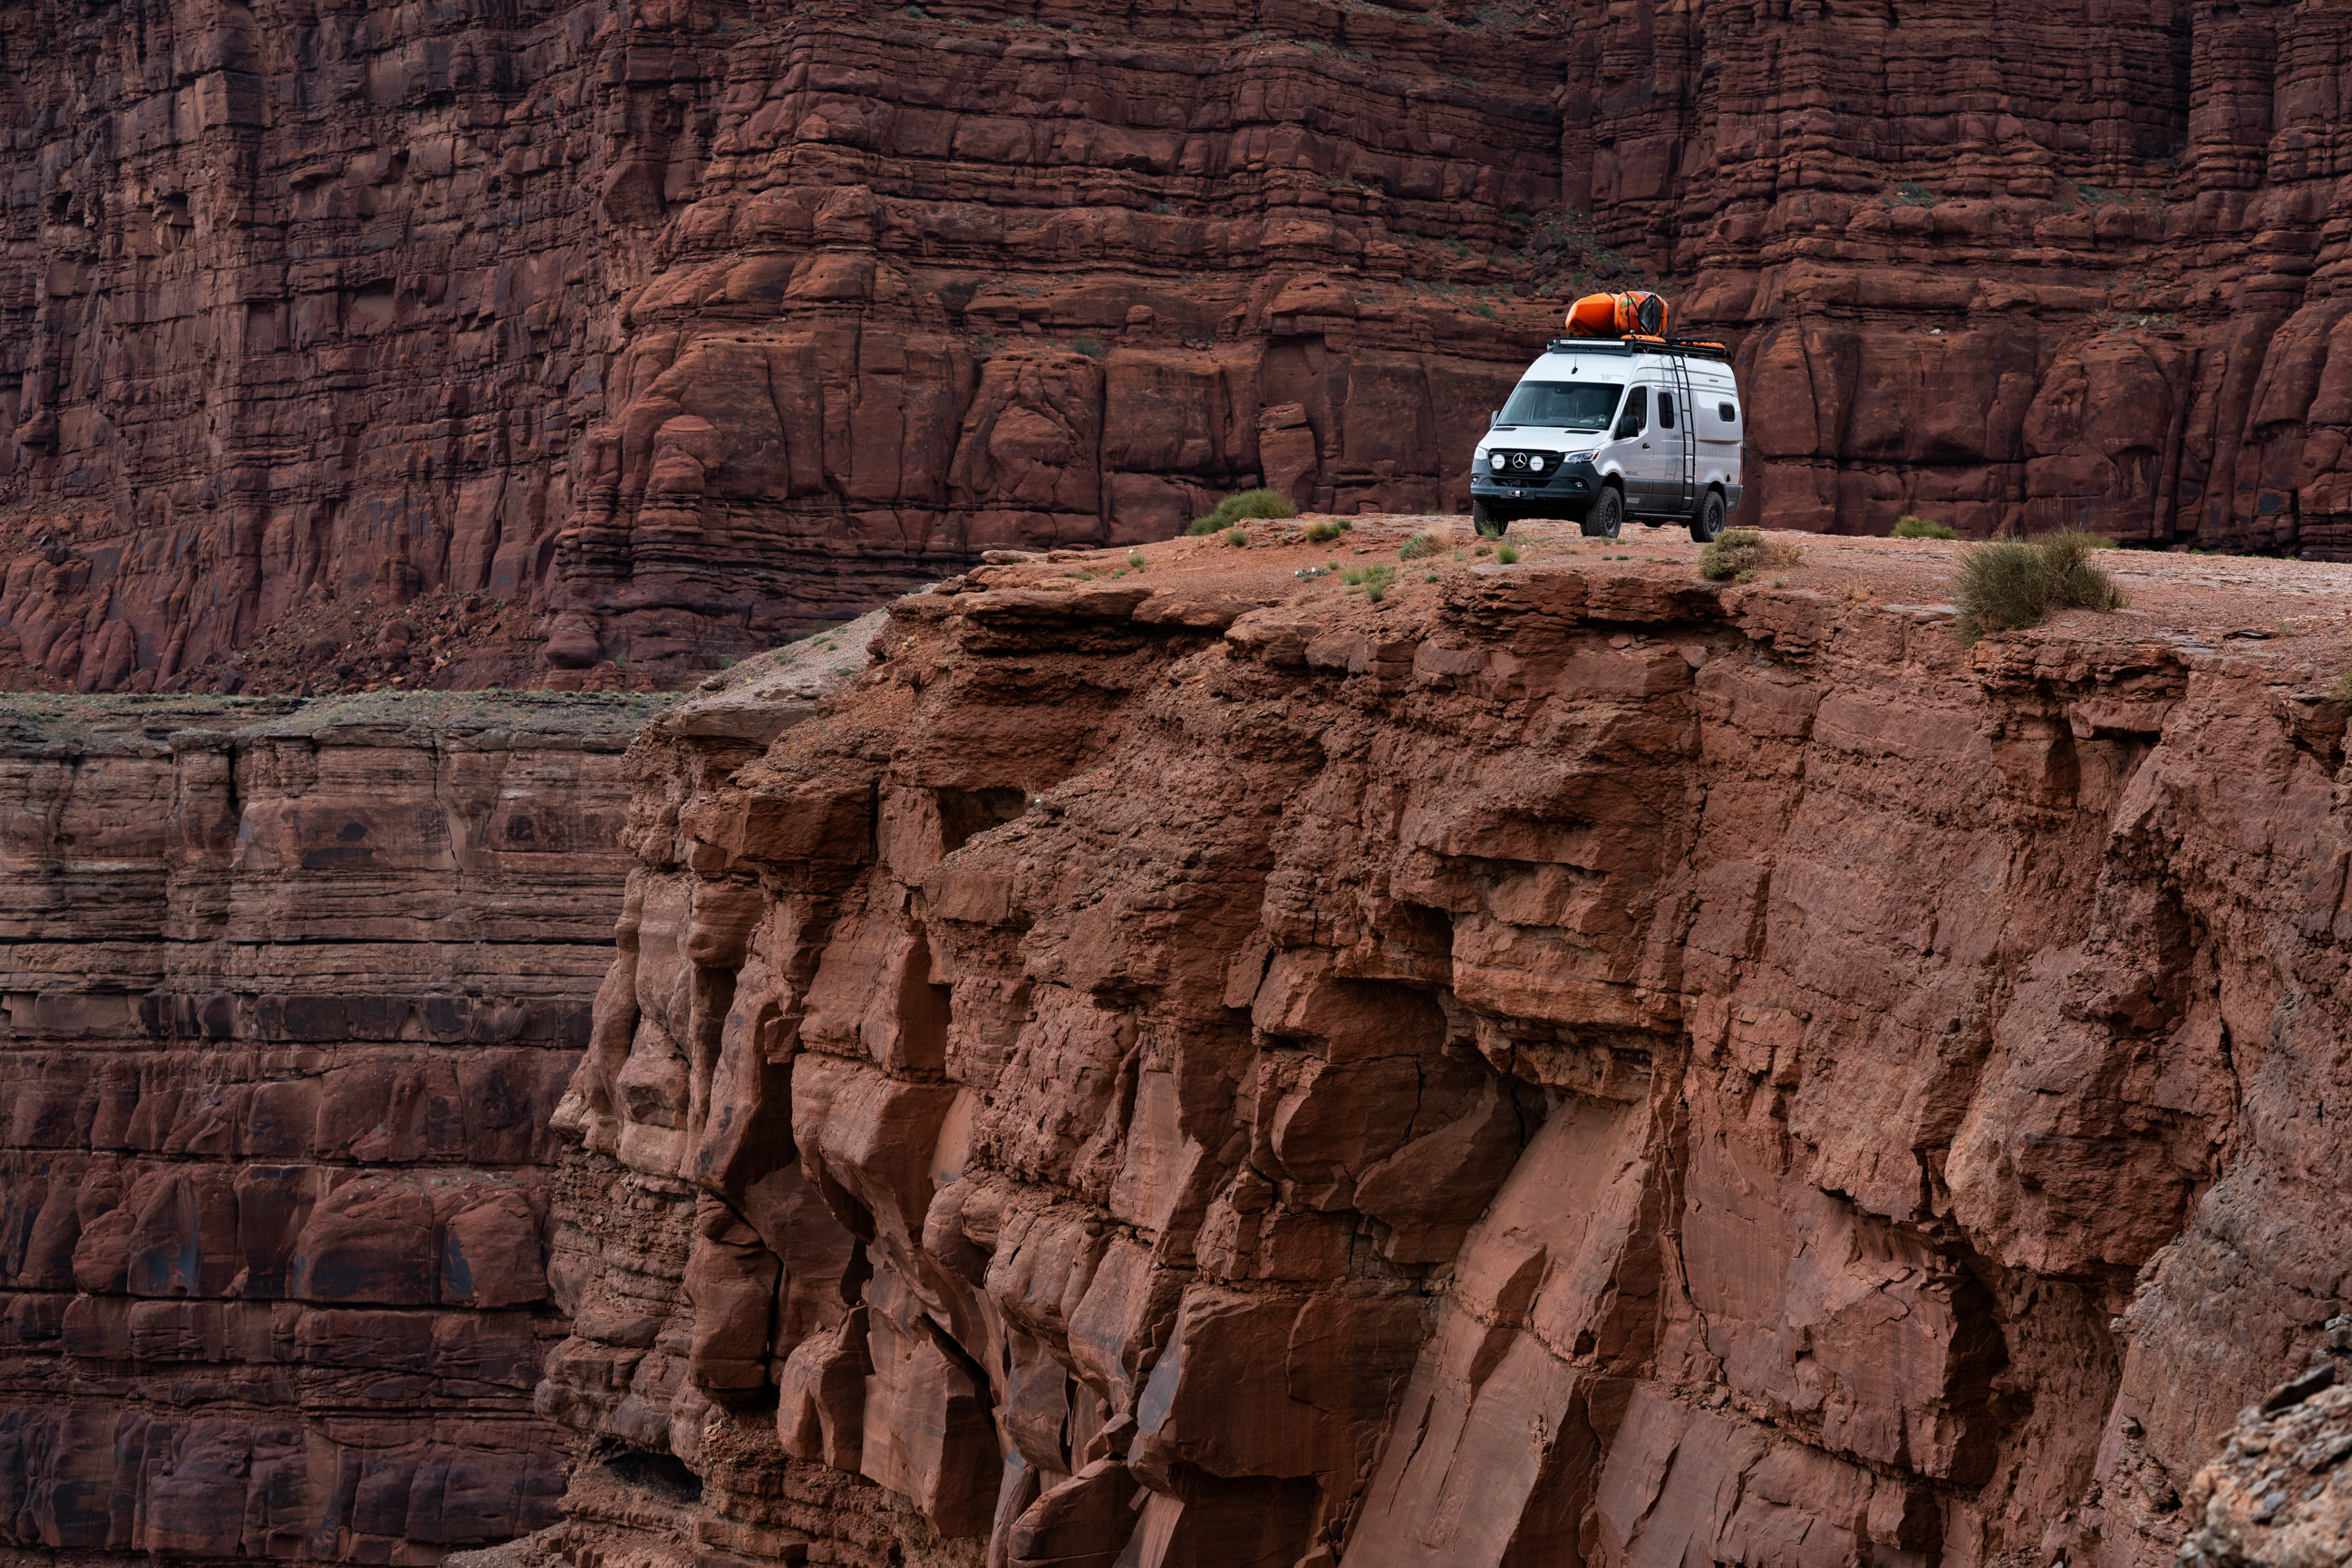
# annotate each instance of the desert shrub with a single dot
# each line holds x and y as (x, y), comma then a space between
(1419, 545)
(1508, 555)
(1236, 536)
(1260, 502)
(1912, 527)
(1323, 530)
(2342, 692)
(1376, 581)
(1737, 552)
(2010, 583)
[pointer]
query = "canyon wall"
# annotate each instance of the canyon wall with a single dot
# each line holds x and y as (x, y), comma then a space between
(2076, 267)
(1566, 1063)
(289, 993)
(676, 326)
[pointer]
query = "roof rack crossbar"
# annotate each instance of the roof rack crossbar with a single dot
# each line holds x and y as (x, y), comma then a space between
(1642, 345)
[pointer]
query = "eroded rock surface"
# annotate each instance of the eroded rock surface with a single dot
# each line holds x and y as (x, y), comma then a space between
(1567, 1064)
(2279, 1495)
(290, 991)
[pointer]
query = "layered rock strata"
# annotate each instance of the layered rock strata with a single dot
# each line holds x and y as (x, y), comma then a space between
(2083, 267)
(290, 989)
(1566, 1063)
(673, 326)
(684, 323)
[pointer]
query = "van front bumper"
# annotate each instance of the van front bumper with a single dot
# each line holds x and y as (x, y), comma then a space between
(1575, 480)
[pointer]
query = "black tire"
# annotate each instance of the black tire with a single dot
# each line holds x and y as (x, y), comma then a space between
(1607, 518)
(1707, 523)
(1491, 520)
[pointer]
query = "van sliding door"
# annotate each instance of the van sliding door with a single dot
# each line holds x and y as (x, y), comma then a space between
(1631, 449)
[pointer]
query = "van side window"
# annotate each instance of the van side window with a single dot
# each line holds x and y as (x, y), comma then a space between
(1665, 411)
(1636, 417)
(1729, 413)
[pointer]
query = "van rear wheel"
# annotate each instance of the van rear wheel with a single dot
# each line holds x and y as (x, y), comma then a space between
(1707, 523)
(1607, 516)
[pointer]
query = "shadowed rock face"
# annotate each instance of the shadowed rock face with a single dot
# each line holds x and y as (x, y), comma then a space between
(1563, 1066)
(682, 323)
(290, 991)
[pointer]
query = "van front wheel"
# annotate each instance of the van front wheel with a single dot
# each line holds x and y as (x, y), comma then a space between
(1607, 516)
(1492, 522)
(1707, 521)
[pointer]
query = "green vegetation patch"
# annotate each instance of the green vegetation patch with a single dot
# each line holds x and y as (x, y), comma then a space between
(1258, 504)
(1909, 526)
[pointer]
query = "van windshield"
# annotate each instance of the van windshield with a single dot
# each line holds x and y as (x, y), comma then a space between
(1569, 404)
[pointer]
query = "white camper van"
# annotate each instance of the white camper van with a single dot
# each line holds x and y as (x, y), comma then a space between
(1603, 429)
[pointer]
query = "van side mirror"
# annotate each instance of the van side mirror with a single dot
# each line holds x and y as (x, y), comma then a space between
(1629, 426)
(1493, 417)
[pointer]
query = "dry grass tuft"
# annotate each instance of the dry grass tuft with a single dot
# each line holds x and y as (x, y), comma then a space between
(1737, 553)
(2009, 583)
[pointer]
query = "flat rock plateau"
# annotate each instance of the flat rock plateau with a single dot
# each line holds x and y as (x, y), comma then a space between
(587, 343)
(1185, 1060)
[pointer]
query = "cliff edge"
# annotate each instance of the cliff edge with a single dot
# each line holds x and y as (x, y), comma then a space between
(1563, 1061)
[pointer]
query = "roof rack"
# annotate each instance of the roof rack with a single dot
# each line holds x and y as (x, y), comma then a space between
(1635, 343)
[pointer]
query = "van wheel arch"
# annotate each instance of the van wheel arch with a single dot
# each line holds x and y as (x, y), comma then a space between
(1605, 517)
(1714, 510)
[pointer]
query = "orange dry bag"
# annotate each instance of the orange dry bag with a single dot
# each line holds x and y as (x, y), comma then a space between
(1618, 315)
(1594, 316)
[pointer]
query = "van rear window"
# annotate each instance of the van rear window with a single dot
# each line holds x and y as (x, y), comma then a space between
(1567, 404)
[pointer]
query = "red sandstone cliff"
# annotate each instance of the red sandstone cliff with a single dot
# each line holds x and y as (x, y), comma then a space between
(289, 991)
(676, 325)
(1566, 1064)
